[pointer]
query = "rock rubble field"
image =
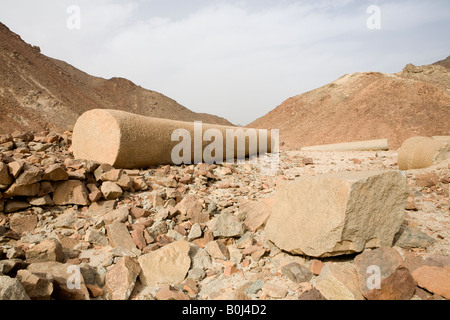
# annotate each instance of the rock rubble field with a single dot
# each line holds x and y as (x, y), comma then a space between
(324, 225)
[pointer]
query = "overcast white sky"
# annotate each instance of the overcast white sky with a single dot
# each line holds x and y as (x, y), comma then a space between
(237, 59)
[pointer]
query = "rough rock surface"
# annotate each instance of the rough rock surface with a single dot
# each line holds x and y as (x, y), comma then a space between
(338, 213)
(169, 264)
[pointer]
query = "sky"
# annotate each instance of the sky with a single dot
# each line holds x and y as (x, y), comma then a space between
(237, 59)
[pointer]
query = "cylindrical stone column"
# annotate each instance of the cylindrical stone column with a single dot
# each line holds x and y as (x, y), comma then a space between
(369, 145)
(126, 140)
(422, 152)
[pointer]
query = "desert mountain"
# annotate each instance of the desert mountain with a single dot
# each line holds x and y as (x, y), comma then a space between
(445, 62)
(38, 92)
(365, 106)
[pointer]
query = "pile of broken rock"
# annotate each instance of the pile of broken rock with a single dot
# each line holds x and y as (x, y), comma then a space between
(74, 229)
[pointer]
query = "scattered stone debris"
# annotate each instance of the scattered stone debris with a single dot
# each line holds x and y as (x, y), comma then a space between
(76, 229)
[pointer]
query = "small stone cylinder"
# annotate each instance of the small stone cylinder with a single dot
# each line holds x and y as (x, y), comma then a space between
(126, 140)
(422, 152)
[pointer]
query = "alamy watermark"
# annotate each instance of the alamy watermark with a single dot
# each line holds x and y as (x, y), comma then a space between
(374, 20)
(374, 280)
(73, 281)
(73, 22)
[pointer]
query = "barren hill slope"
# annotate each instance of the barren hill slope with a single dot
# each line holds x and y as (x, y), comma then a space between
(364, 106)
(38, 92)
(445, 62)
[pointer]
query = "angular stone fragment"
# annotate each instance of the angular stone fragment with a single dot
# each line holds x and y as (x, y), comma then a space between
(383, 276)
(190, 208)
(37, 288)
(111, 190)
(139, 239)
(427, 180)
(46, 188)
(70, 192)
(200, 259)
(138, 183)
(409, 237)
(12, 289)
(119, 237)
(338, 282)
(121, 278)
(25, 136)
(41, 201)
(23, 223)
(6, 138)
(111, 175)
(274, 291)
(101, 169)
(414, 261)
(95, 196)
(316, 266)
(118, 215)
(338, 213)
(15, 168)
(434, 279)
(12, 265)
(5, 178)
(139, 212)
(96, 237)
(22, 190)
(125, 182)
(296, 272)
(227, 225)
(258, 213)
(47, 250)
(312, 294)
(68, 282)
(94, 290)
(66, 220)
(15, 253)
(217, 250)
(195, 232)
(31, 174)
(15, 205)
(168, 264)
(56, 172)
(167, 292)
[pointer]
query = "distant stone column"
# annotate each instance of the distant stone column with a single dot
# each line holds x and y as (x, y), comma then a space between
(369, 145)
(126, 140)
(422, 152)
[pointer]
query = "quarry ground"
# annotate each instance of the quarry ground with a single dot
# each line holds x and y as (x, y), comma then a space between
(187, 202)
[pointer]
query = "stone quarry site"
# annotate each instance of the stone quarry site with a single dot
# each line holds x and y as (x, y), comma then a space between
(357, 207)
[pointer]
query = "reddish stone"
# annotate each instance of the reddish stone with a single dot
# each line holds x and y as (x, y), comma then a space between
(138, 238)
(316, 266)
(427, 180)
(94, 290)
(395, 280)
(434, 279)
(139, 212)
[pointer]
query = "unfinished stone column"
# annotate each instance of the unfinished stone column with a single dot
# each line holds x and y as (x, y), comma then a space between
(126, 140)
(368, 145)
(422, 152)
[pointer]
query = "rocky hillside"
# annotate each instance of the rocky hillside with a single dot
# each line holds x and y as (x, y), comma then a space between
(365, 106)
(445, 62)
(40, 93)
